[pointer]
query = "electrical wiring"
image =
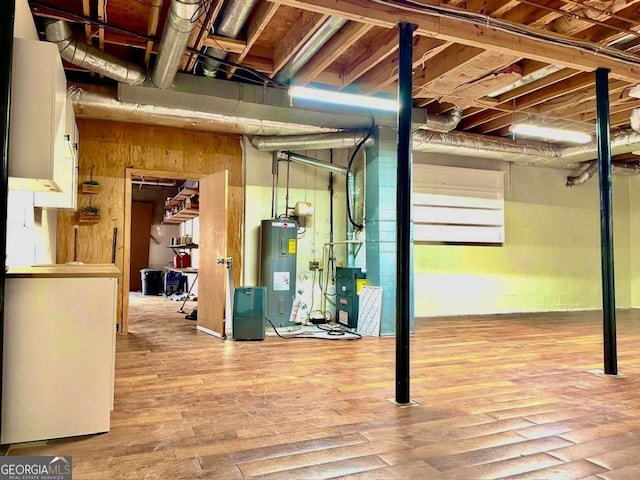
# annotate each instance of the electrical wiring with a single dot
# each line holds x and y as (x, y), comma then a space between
(357, 226)
(335, 331)
(313, 291)
(266, 80)
(202, 9)
(483, 20)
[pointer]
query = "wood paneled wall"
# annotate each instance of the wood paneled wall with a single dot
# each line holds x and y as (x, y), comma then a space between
(111, 148)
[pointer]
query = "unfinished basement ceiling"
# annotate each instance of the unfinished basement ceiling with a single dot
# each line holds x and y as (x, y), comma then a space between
(539, 55)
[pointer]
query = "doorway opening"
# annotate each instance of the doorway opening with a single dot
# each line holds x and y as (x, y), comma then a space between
(181, 237)
(162, 235)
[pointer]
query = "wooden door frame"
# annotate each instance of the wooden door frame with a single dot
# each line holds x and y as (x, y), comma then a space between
(126, 239)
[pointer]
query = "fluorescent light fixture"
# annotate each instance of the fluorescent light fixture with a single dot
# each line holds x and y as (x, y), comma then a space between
(548, 133)
(341, 98)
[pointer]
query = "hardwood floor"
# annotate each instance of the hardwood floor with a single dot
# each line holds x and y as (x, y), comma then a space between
(500, 397)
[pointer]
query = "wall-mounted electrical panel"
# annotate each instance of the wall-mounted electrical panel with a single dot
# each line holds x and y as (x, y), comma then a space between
(278, 257)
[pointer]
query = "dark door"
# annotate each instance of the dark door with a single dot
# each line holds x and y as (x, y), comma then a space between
(141, 217)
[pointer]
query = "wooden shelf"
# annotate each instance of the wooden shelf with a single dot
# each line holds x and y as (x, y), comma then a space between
(88, 217)
(190, 246)
(181, 216)
(90, 189)
(180, 197)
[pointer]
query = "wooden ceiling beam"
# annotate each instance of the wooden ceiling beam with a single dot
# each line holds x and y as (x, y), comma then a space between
(448, 61)
(585, 104)
(308, 23)
(258, 21)
(199, 35)
(224, 43)
(262, 64)
(494, 8)
(101, 18)
(629, 9)
(532, 14)
(152, 28)
(86, 11)
(117, 38)
(619, 120)
(507, 99)
(386, 73)
(336, 46)
(615, 108)
(480, 36)
(574, 84)
(101, 12)
(571, 100)
(372, 55)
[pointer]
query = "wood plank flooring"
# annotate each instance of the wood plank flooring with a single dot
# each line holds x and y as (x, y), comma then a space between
(505, 396)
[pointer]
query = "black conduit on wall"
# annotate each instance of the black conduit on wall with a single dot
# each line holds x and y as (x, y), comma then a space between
(7, 14)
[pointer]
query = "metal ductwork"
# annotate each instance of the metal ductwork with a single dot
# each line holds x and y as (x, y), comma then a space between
(91, 58)
(97, 102)
(313, 162)
(484, 146)
(442, 123)
(622, 141)
(322, 141)
(586, 174)
(100, 102)
(234, 15)
(327, 30)
(177, 29)
(626, 168)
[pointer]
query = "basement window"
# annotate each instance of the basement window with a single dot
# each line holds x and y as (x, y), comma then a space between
(458, 205)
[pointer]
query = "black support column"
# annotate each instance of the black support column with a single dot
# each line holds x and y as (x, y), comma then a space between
(7, 14)
(403, 205)
(606, 222)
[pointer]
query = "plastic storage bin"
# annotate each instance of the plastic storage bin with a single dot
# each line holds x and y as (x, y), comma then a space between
(173, 282)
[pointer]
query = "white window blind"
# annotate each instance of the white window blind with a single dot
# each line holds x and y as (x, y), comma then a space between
(458, 205)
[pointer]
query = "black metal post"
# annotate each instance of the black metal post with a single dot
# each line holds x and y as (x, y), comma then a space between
(606, 222)
(403, 206)
(7, 14)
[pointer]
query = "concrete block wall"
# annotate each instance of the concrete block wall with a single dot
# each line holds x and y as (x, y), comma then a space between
(381, 213)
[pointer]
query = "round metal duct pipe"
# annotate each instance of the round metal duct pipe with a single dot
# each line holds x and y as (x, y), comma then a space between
(321, 141)
(234, 15)
(313, 162)
(175, 36)
(92, 101)
(91, 58)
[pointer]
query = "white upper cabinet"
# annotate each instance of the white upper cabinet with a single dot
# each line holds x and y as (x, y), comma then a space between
(37, 125)
(67, 199)
(23, 25)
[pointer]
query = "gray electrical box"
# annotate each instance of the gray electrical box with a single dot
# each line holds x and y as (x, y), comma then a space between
(278, 247)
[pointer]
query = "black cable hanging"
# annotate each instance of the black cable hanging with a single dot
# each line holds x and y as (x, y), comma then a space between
(355, 225)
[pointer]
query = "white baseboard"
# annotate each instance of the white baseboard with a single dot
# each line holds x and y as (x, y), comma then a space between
(208, 331)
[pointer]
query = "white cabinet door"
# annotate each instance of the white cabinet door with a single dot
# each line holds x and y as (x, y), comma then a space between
(38, 102)
(67, 162)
